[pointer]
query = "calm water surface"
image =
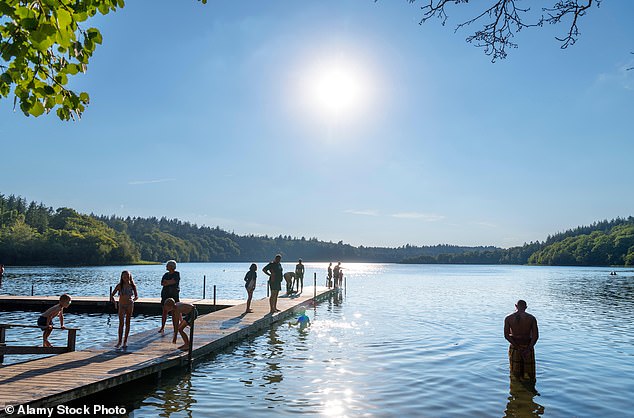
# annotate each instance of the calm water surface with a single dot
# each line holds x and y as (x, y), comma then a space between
(416, 341)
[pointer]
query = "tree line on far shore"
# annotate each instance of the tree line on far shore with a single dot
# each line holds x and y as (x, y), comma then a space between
(604, 243)
(34, 234)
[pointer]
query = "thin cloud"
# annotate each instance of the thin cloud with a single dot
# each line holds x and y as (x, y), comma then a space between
(487, 224)
(364, 212)
(137, 182)
(427, 217)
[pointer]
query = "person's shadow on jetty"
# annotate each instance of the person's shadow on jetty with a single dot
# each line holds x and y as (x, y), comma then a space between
(521, 400)
(56, 367)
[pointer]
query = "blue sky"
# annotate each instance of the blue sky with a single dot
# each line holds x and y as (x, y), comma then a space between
(207, 113)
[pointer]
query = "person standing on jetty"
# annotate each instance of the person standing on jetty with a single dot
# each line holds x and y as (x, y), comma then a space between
(45, 321)
(1, 273)
(329, 275)
(520, 330)
(274, 271)
(299, 275)
(127, 295)
(335, 274)
(171, 288)
(249, 284)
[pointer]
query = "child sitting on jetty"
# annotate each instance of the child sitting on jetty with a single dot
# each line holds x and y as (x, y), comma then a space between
(45, 321)
(184, 316)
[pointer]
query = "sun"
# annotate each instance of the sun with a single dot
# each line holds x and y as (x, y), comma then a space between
(336, 88)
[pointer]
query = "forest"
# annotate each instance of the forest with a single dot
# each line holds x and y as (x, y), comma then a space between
(32, 233)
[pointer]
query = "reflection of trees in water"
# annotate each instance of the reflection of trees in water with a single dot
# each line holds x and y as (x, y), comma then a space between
(521, 402)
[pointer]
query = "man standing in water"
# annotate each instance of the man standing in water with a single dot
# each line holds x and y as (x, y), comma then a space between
(274, 271)
(520, 329)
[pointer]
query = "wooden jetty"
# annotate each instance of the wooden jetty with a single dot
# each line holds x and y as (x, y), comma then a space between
(102, 304)
(59, 379)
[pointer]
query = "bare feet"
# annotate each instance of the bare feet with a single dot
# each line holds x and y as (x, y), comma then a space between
(249, 311)
(118, 345)
(161, 331)
(183, 347)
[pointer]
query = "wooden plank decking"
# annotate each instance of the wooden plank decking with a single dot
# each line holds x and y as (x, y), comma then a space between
(65, 377)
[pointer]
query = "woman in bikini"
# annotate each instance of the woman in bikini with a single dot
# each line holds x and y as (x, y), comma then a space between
(127, 295)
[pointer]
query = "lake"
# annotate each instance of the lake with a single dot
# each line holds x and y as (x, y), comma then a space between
(404, 340)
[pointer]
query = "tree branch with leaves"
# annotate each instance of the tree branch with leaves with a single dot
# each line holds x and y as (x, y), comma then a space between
(42, 45)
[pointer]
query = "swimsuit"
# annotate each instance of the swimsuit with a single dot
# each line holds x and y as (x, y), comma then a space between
(189, 318)
(42, 322)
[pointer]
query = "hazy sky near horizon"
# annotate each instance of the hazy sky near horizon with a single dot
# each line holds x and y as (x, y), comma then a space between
(340, 120)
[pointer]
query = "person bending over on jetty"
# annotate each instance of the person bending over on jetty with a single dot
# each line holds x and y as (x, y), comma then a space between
(274, 271)
(127, 295)
(289, 277)
(170, 282)
(45, 321)
(520, 329)
(185, 314)
(249, 284)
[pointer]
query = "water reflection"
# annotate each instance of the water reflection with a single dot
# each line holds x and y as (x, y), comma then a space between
(176, 396)
(273, 374)
(521, 400)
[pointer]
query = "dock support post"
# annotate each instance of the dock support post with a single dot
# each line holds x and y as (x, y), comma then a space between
(214, 295)
(3, 331)
(315, 287)
(72, 335)
(204, 285)
(191, 345)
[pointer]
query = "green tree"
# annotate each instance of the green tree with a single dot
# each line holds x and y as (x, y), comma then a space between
(42, 44)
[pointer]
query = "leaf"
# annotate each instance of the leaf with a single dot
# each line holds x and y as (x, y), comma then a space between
(37, 109)
(72, 69)
(64, 19)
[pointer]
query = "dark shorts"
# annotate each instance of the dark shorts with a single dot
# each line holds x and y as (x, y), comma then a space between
(42, 323)
(167, 295)
(275, 285)
(189, 318)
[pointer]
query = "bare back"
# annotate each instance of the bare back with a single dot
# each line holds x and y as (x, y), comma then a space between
(53, 311)
(521, 328)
